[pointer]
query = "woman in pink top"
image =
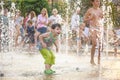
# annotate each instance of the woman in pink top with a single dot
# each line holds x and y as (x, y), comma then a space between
(42, 21)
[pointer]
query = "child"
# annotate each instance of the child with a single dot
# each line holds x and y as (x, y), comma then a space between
(30, 34)
(46, 40)
(81, 34)
(114, 41)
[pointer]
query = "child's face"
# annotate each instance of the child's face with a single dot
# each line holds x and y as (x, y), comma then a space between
(82, 26)
(96, 3)
(57, 31)
(30, 24)
(54, 12)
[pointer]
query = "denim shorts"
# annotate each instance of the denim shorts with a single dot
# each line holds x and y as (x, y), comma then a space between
(42, 30)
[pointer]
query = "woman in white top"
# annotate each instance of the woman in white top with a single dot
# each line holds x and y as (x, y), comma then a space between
(55, 18)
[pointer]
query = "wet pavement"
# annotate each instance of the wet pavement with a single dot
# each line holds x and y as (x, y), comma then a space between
(30, 66)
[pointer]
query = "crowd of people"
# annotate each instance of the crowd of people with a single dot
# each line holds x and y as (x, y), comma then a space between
(32, 26)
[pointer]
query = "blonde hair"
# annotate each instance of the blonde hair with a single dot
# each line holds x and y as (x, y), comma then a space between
(55, 10)
(33, 12)
(44, 9)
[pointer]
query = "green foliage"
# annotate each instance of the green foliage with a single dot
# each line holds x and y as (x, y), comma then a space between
(37, 5)
(115, 15)
(29, 5)
(61, 7)
(85, 4)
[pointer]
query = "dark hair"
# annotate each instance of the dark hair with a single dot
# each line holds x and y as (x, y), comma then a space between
(92, 0)
(56, 25)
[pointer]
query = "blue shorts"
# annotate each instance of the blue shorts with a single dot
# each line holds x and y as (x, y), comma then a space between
(22, 32)
(42, 30)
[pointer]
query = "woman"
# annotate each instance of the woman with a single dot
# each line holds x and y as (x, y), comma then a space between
(55, 18)
(42, 21)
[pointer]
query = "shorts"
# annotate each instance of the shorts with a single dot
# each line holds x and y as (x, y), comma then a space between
(22, 32)
(48, 56)
(42, 30)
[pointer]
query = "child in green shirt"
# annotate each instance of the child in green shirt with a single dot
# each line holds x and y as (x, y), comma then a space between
(46, 40)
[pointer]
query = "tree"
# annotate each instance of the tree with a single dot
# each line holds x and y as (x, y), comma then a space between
(37, 5)
(115, 5)
(29, 5)
(61, 7)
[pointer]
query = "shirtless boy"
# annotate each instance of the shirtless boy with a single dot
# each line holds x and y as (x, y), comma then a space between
(94, 16)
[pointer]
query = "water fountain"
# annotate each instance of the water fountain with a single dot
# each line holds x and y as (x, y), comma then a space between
(1, 4)
(11, 25)
(1, 27)
(7, 29)
(108, 23)
(6, 36)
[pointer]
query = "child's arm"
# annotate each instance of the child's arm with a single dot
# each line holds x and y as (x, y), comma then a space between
(56, 45)
(88, 16)
(41, 37)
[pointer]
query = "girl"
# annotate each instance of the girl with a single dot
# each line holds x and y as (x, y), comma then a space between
(47, 40)
(33, 18)
(29, 35)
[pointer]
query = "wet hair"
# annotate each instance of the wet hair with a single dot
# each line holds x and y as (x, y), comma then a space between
(56, 25)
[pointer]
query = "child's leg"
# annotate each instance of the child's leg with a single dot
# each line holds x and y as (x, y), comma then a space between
(16, 36)
(36, 37)
(52, 58)
(115, 51)
(47, 56)
(99, 54)
(49, 60)
(30, 46)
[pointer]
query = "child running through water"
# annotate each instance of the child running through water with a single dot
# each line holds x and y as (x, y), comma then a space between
(46, 40)
(29, 35)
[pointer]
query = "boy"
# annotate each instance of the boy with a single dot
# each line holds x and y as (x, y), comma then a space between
(46, 40)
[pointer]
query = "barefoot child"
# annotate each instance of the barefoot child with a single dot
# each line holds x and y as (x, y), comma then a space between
(94, 16)
(46, 40)
(81, 34)
(29, 35)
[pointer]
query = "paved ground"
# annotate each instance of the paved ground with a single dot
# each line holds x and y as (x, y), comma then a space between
(29, 66)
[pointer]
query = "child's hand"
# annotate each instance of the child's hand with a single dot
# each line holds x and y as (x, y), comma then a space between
(44, 45)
